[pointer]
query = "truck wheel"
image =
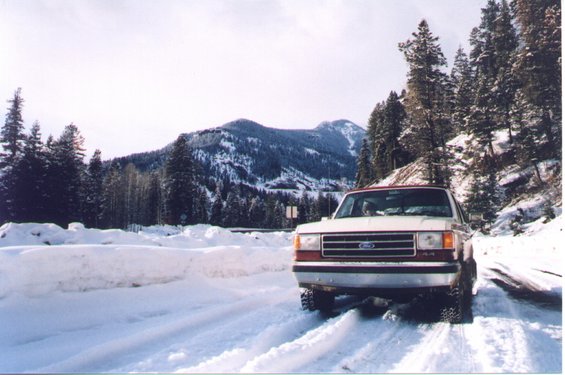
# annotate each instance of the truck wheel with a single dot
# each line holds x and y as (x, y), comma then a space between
(452, 307)
(313, 299)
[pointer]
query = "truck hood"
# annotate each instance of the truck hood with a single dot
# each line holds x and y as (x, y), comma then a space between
(378, 224)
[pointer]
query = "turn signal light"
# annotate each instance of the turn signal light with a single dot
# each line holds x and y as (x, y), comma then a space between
(448, 242)
(296, 242)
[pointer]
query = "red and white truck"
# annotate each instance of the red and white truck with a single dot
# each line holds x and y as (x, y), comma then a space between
(393, 242)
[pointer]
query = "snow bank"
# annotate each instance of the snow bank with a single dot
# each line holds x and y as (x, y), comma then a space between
(36, 259)
(12, 234)
(538, 249)
(538, 240)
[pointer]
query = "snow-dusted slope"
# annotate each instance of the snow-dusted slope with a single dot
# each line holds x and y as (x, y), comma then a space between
(203, 299)
(270, 158)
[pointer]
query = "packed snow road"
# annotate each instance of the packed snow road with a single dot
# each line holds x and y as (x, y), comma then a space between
(214, 314)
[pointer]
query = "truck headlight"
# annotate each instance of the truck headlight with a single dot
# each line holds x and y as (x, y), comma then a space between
(307, 242)
(435, 240)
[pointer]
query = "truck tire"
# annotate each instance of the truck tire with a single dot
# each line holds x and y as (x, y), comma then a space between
(452, 307)
(313, 300)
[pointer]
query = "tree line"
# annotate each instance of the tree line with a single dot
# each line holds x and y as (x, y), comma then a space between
(51, 182)
(510, 81)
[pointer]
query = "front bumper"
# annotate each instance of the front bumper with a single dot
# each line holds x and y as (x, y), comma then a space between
(371, 277)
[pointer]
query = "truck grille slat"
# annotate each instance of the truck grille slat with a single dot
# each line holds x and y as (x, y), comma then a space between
(368, 245)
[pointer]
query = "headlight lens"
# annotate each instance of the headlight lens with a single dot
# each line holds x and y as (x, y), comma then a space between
(307, 242)
(435, 240)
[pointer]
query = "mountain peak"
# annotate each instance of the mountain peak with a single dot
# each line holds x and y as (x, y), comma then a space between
(339, 125)
(242, 123)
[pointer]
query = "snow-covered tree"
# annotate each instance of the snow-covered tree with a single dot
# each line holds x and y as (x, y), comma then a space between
(505, 41)
(461, 80)
(485, 195)
(538, 69)
(481, 121)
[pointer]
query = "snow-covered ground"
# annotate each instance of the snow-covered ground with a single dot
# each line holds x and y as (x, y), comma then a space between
(203, 299)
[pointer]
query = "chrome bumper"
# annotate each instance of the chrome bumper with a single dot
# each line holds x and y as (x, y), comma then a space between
(381, 275)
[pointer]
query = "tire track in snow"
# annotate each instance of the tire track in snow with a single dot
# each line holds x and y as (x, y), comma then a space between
(295, 354)
(231, 342)
(295, 324)
(379, 345)
(511, 336)
(234, 358)
(105, 356)
(442, 348)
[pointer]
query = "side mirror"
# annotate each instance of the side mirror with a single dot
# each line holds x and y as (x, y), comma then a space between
(475, 217)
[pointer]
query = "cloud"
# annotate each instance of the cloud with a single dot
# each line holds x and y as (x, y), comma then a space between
(159, 68)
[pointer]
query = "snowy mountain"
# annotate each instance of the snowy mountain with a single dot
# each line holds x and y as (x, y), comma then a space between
(248, 152)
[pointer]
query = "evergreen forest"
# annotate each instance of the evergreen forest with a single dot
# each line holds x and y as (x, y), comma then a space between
(508, 85)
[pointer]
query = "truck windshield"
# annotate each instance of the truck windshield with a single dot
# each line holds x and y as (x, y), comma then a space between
(396, 202)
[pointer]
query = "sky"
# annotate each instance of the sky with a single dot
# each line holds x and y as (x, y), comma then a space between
(134, 74)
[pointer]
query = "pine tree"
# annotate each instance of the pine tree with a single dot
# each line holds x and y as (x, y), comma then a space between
(426, 102)
(279, 216)
(364, 175)
(270, 211)
(538, 68)
(12, 135)
(232, 211)
(66, 168)
(257, 213)
(12, 139)
(94, 179)
(180, 189)
(303, 205)
(385, 128)
(482, 119)
(245, 206)
(217, 208)
(130, 180)
(29, 174)
(485, 196)
(113, 206)
(377, 146)
(461, 79)
(529, 137)
(505, 40)
(153, 200)
(201, 207)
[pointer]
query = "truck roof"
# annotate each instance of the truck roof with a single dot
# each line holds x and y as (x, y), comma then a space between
(396, 187)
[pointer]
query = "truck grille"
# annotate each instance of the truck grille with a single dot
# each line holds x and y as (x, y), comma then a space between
(361, 245)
